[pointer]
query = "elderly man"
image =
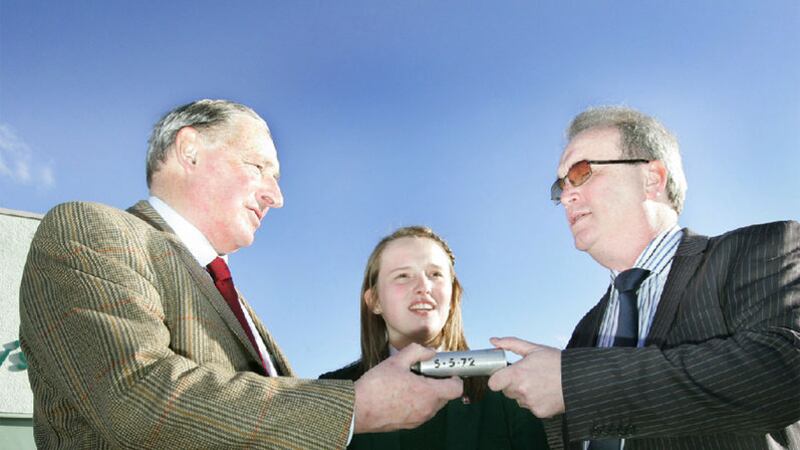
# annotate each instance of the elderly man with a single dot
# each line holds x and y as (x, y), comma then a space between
(696, 343)
(137, 338)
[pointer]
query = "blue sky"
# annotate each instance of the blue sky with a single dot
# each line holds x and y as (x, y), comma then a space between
(385, 113)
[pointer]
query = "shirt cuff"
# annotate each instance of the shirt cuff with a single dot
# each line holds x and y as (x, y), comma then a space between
(352, 426)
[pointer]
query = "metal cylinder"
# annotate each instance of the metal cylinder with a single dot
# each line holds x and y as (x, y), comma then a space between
(470, 363)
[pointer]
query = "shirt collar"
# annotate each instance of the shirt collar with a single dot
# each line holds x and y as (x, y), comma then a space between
(659, 252)
(190, 236)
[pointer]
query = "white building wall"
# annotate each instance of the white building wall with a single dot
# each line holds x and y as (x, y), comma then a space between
(16, 400)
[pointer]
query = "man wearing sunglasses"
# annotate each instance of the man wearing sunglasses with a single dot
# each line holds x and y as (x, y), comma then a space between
(702, 349)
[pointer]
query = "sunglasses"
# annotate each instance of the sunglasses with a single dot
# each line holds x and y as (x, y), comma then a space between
(581, 171)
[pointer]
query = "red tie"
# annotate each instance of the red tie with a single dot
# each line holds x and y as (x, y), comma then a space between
(222, 280)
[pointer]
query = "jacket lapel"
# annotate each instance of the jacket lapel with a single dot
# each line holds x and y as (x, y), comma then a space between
(145, 211)
(585, 334)
(279, 360)
(690, 253)
(687, 258)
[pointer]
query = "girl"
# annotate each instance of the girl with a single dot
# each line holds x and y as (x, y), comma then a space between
(410, 293)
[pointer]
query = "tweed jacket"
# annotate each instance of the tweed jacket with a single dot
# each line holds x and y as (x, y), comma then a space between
(720, 368)
(130, 345)
(494, 422)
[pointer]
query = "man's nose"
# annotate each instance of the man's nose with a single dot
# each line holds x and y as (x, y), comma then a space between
(569, 193)
(271, 195)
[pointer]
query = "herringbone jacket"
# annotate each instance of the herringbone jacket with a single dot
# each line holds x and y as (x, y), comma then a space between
(130, 345)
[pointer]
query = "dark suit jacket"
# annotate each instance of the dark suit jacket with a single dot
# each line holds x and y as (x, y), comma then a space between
(721, 365)
(130, 345)
(493, 423)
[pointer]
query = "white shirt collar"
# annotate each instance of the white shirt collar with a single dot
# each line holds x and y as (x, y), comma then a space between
(653, 257)
(189, 235)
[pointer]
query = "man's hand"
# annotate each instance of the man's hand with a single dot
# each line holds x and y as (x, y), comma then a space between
(535, 380)
(391, 397)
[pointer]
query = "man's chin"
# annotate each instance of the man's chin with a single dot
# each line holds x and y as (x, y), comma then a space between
(248, 242)
(580, 244)
(244, 241)
(583, 240)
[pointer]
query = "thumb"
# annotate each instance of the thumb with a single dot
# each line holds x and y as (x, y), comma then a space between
(412, 353)
(451, 388)
(516, 345)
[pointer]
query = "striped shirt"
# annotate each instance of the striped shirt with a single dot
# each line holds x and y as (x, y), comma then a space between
(657, 258)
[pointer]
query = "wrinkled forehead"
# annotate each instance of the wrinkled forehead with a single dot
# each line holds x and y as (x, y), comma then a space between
(594, 143)
(252, 135)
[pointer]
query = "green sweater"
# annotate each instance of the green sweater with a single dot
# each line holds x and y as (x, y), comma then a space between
(493, 423)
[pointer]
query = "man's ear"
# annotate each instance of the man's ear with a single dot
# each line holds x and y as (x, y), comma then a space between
(655, 179)
(372, 303)
(187, 143)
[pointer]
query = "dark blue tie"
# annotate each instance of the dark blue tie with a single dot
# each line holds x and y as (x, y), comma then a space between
(627, 284)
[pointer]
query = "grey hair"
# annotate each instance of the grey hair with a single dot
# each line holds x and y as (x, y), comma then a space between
(207, 116)
(641, 136)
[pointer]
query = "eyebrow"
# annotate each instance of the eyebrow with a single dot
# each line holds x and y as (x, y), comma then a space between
(568, 167)
(434, 265)
(396, 269)
(256, 158)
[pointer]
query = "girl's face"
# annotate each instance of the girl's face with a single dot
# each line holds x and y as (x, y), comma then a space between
(414, 288)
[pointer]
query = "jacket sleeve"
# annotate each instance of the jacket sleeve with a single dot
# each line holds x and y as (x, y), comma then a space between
(94, 328)
(731, 362)
(525, 429)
